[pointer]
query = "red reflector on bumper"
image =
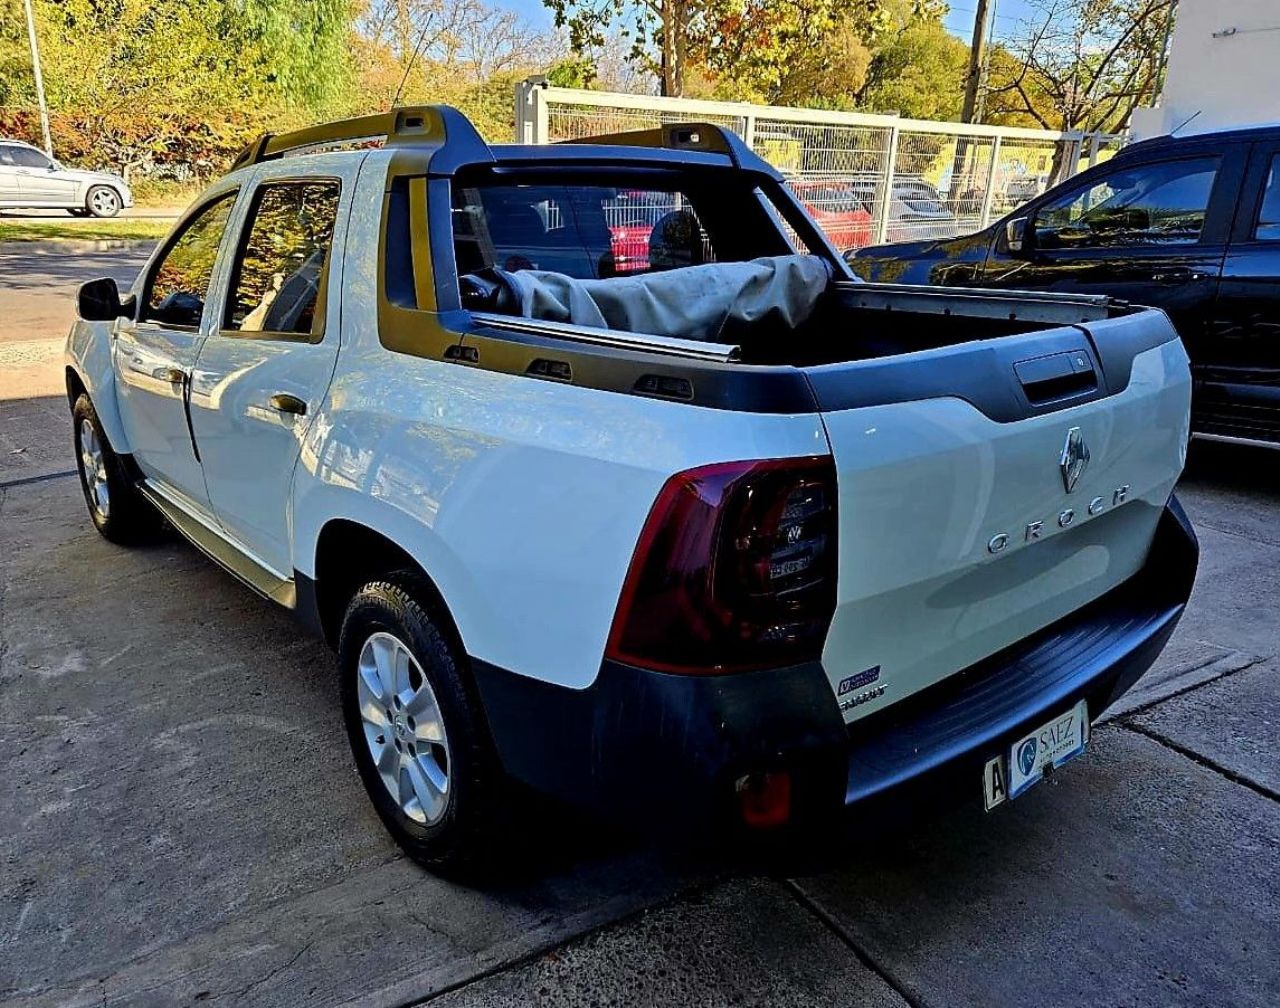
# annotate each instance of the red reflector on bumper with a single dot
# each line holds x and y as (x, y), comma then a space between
(764, 799)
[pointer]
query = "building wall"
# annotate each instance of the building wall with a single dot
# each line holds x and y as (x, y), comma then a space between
(1224, 63)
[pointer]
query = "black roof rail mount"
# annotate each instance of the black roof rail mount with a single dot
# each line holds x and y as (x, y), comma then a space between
(410, 126)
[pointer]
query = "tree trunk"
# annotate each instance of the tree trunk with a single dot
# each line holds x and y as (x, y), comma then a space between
(672, 29)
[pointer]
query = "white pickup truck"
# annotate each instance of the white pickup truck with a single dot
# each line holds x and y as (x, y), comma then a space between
(601, 473)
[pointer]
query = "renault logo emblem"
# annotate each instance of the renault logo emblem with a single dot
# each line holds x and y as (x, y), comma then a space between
(1074, 460)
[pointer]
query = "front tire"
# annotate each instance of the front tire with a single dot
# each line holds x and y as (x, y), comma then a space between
(102, 201)
(118, 510)
(415, 726)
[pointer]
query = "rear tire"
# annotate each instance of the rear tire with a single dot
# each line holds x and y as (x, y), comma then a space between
(117, 508)
(102, 201)
(416, 727)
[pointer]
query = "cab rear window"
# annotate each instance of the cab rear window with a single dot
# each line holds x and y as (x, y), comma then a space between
(594, 228)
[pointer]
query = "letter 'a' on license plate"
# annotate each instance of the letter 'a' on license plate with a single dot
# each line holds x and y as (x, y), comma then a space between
(1049, 746)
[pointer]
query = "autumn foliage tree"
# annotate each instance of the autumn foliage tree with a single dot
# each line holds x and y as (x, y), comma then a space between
(1080, 64)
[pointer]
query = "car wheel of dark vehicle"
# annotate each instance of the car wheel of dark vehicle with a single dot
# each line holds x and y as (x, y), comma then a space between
(118, 510)
(102, 201)
(415, 725)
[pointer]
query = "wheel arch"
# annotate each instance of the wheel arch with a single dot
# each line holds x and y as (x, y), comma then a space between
(88, 372)
(349, 554)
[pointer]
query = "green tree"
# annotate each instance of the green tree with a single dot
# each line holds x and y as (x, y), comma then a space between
(137, 81)
(917, 71)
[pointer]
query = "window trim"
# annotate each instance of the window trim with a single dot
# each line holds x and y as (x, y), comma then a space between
(320, 317)
(1105, 171)
(183, 227)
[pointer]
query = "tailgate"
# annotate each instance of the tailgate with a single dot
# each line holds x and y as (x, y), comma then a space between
(989, 489)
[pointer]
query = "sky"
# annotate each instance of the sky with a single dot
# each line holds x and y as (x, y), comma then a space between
(959, 21)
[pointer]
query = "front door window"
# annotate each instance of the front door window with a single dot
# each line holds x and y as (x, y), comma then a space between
(1145, 205)
(179, 282)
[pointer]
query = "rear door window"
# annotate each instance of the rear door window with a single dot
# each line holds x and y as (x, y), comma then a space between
(1268, 225)
(278, 274)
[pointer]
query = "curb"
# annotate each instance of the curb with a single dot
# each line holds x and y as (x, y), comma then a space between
(73, 246)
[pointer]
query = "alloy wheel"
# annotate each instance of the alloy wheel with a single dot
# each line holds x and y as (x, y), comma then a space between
(94, 464)
(104, 202)
(403, 728)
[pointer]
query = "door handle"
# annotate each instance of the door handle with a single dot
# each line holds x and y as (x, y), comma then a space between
(1177, 274)
(173, 375)
(286, 403)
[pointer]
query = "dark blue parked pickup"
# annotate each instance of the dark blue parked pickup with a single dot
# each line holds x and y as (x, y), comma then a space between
(1187, 224)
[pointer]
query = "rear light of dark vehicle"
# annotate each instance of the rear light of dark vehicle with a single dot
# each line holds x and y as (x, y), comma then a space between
(735, 570)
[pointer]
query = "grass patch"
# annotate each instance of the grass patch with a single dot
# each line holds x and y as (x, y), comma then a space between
(124, 228)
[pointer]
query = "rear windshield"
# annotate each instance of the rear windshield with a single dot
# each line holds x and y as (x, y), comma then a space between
(595, 227)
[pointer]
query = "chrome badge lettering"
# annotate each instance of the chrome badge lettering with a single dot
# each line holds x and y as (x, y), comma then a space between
(1033, 531)
(1072, 463)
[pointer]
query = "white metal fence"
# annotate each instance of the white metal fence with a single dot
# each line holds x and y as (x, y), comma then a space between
(866, 178)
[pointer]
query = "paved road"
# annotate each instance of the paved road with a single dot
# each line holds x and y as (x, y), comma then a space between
(38, 284)
(180, 823)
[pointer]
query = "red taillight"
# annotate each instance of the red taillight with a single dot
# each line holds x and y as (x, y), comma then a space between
(735, 570)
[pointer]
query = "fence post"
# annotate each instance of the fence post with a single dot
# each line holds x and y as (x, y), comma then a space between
(1095, 145)
(989, 193)
(749, 130)
(1073, 159)
(884, 189)
(531, 111)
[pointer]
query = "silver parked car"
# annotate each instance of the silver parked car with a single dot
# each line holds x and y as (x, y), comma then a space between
(30, 179)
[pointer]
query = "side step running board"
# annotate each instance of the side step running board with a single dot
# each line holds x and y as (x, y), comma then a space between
(221, 551)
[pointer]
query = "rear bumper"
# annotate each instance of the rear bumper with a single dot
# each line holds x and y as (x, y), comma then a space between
(668, 748)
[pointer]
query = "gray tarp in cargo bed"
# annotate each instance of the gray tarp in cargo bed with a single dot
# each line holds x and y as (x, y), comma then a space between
(692, 302)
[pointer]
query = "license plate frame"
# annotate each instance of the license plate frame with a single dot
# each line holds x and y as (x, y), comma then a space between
(1020, 767)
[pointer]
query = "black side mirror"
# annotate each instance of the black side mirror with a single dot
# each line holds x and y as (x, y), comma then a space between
(99, 301)
(1017, 235)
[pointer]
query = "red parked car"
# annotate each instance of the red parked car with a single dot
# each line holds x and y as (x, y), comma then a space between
(838, 209)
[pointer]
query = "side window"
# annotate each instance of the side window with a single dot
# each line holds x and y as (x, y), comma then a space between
(279, 272)
(25, 157)
(1268, 226)
(1155, 204)
(179, 282)
(6, 155)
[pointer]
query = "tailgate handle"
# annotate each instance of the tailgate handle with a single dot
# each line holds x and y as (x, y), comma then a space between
(1057, 376)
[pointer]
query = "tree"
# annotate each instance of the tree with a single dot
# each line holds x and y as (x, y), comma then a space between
(917, 70)
(659, 32)
(138, 81)
(1080, 64)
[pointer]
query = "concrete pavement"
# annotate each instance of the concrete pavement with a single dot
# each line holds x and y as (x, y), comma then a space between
(180, 823)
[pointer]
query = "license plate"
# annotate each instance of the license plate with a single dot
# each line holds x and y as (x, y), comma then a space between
(1006, 776)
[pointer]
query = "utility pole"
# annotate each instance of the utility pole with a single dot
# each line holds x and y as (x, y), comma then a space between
(35, 64)
(976, 51)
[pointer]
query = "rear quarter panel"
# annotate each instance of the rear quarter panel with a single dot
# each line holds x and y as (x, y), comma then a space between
(522, 499)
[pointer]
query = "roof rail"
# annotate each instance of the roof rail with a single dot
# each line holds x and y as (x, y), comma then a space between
(416, 125)
(687, 136)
